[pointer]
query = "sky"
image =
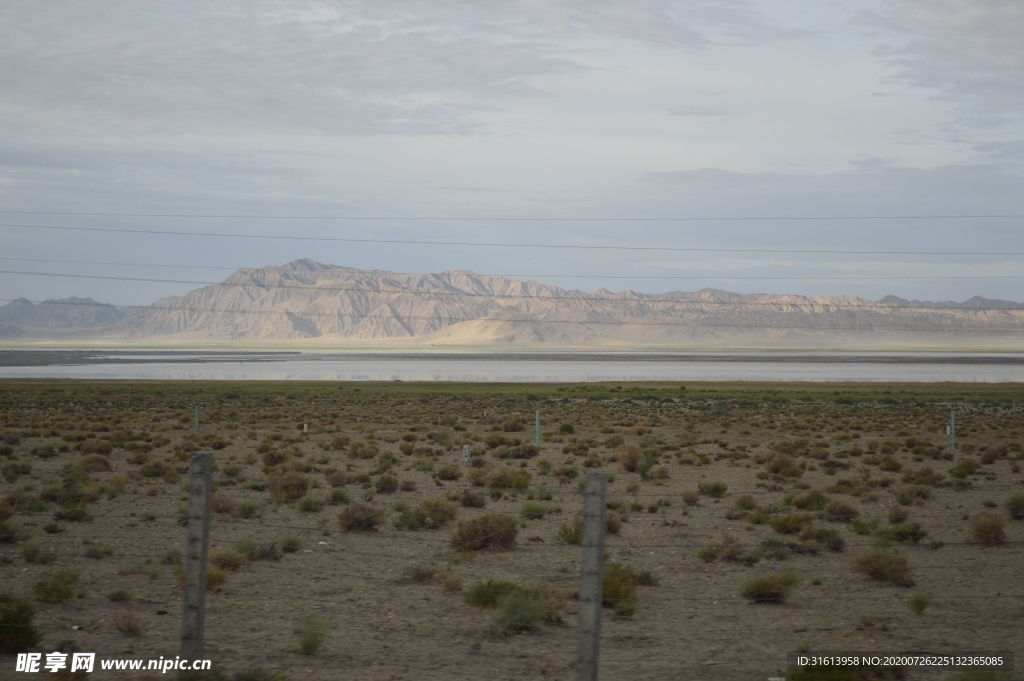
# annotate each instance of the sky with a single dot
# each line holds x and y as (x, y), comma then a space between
(719, 144)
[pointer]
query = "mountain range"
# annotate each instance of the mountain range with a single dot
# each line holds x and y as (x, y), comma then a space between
(312, 303)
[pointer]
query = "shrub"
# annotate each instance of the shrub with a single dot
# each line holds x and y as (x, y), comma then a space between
(884, 565)
(228, 559)
(909, 532)
(360, 517)
(448, 472)
(254, 550)
(809, 501)
(789, 524)
(825, 536)
(128, 625)
(838, 511)
(486, 594)
(918, 603)
(488, 530)
(32, 552)
(312, 631)
(1015, 506)
(471, 499)
(98, 551)
(571, 531)
(771, 588)
(988, 529)
(246, 510)
(520, 611)
(431, 513)
(19, 635)
(898, 514)
(58, 586)
(119, 596)
(288, 486)
(629, 458)
(508, 478)
(291, 544)
(312, 504)
(386, 484)
(745, 502)
(713, 489)
(533, 510)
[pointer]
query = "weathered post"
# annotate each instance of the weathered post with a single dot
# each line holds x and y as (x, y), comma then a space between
(197, 419)
(195, 555)
(952, 429)
(465, 453)
(538, 428)
(592, 581)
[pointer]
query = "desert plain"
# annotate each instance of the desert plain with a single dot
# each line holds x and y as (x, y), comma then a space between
(745, 521)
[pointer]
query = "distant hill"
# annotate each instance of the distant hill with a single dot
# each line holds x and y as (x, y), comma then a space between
(305, 300)
(63, 315)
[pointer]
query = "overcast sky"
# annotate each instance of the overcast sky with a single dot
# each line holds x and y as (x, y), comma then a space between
(497, 109)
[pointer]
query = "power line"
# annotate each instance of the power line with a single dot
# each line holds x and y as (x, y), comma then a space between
(489, 244)
(425, 218)
(458, 320)
(536, 276)
(568, 297)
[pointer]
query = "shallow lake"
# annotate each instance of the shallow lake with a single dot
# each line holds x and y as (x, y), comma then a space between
(559, 366)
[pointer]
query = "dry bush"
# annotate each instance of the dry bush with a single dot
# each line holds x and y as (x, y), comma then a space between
(884, 565)
(629, 458)
(746, 502)
(360, 517)
(840, 511)
(128, 625)
(222, 504)
(491, 530)
(988, 529)
(772, 588)
(898, 514)
(776, 462)
(288, 486)
(228, 559)
(1015, 506)
(825, 536)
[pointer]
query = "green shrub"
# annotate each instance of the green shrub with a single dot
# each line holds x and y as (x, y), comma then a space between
(789, 524)
(918, 603)
(339, 497)
(534, 510)
(291, 544)
(312, 631)
(254, 550)
(17, 633)
(509, 478)
(808, 501)
(521, 611)
(360, 517)
(713, 489)
(491, 530)
(771, 588)
(485, 594)
(909, 532)
(246, 510)
(571, 531)
(58, 586)
(431, 513)
(884, 565)
(228, 559)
